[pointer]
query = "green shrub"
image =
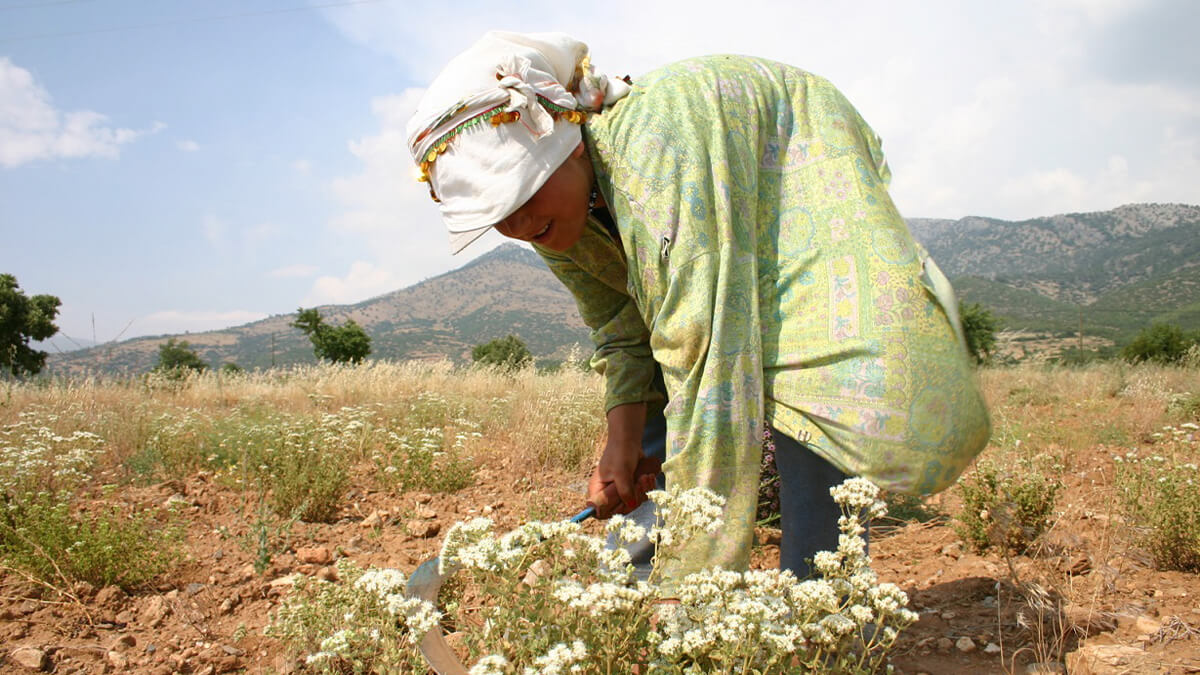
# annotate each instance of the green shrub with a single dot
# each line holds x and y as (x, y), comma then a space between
(105, 547)
(420, 459)
(1161, 496)
(1007, 508)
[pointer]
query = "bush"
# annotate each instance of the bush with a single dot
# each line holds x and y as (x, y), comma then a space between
(104, 548)
(1006, 508)
(362, 623)
(176, 359)
(508, 353)
(1160, 493)
(1159, 343)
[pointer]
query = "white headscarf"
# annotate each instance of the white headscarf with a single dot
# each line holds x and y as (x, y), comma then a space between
(483, 161)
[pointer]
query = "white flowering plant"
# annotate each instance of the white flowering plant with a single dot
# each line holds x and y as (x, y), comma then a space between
(548, 598)
(361, 623)
(1160, 491)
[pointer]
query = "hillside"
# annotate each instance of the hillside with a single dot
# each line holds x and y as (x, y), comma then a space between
(1113, 271)
(508, 290)
(1108, 273)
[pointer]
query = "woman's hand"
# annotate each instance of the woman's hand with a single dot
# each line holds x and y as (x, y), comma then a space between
(616, 471)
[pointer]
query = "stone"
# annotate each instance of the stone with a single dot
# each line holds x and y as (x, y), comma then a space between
(422, 529)
(316, 555)
(122, 643)
(110, 595)
(227, 605)
(769, 536)
(228, 664)
(965, 645)
(945, 644)
(232, 651)
(425, 513)
(284, 581)
(193, 588)
(31, 658)
(992, 648)
(154, 611)
(118, 661)
(537, 569)
(375, 519)
(327, 573)
(1096, 659)
(1089, 622)
(422, 497)
(1144, 625)
(124, 618)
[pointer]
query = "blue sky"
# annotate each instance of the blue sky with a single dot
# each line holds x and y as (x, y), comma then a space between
(189, 165)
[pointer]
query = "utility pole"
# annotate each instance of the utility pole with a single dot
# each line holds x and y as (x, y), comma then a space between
(272, 350)
(1081, 332)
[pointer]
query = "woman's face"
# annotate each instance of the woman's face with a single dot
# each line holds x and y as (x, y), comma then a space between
(554, 217)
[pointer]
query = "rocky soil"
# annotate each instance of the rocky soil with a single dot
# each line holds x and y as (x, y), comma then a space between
(1084, 602)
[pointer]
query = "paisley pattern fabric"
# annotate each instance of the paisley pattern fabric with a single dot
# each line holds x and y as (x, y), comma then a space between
(763, 265)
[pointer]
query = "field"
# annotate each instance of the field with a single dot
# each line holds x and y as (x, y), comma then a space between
(158, 525)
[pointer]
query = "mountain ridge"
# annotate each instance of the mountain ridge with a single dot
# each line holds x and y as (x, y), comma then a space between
(1107, 272)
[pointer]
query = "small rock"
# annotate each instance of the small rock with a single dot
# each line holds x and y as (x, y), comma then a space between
(422, 529)
(124, 618)
(154, 611)
(110, 595)
(948, 616)
(83, 590)
(227, 605)
(423, 498)
(426, 513)
(218, 554)
(952, 550)
(232, 651)
(1094, 659)
(317, 555)
(327, 573)
(289, 580)
(194, 588)
(992, 648)
(177, 500)
(207, 670)
(373, 520)
(31, 658)
(1080, 564)
(118, 661)
(965, 645)
(122, 643)
(945, 644)
(151, 649)
(228, 664)
(1144, 625)
(538, 569)
(769, 536)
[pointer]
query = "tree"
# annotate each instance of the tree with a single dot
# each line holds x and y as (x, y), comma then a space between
(509, 353)
(979, 327)
(177, 357)
(22, 319)
(1160, 343)
(347, 343)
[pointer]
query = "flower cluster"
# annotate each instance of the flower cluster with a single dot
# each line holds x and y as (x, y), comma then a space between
(711, 621)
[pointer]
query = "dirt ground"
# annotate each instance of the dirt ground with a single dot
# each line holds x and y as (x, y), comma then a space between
(1104, 608)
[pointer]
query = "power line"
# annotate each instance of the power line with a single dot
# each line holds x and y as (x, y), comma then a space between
(179, 22)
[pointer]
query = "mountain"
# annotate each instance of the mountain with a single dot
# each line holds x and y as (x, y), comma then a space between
(508, 290)
(1110, 273)
(1114, 271)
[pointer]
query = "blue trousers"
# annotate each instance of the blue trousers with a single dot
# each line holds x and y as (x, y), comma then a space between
(808, 514)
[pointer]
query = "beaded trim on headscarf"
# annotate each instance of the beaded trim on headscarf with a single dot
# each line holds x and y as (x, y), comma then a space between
(497, 116)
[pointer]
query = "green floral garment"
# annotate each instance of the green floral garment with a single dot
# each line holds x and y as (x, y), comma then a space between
(763, 265)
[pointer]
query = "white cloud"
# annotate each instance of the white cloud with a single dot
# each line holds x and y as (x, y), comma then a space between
(364, 280)
(293, 271)
(32, 129)
(178, 321)
(187, 145)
